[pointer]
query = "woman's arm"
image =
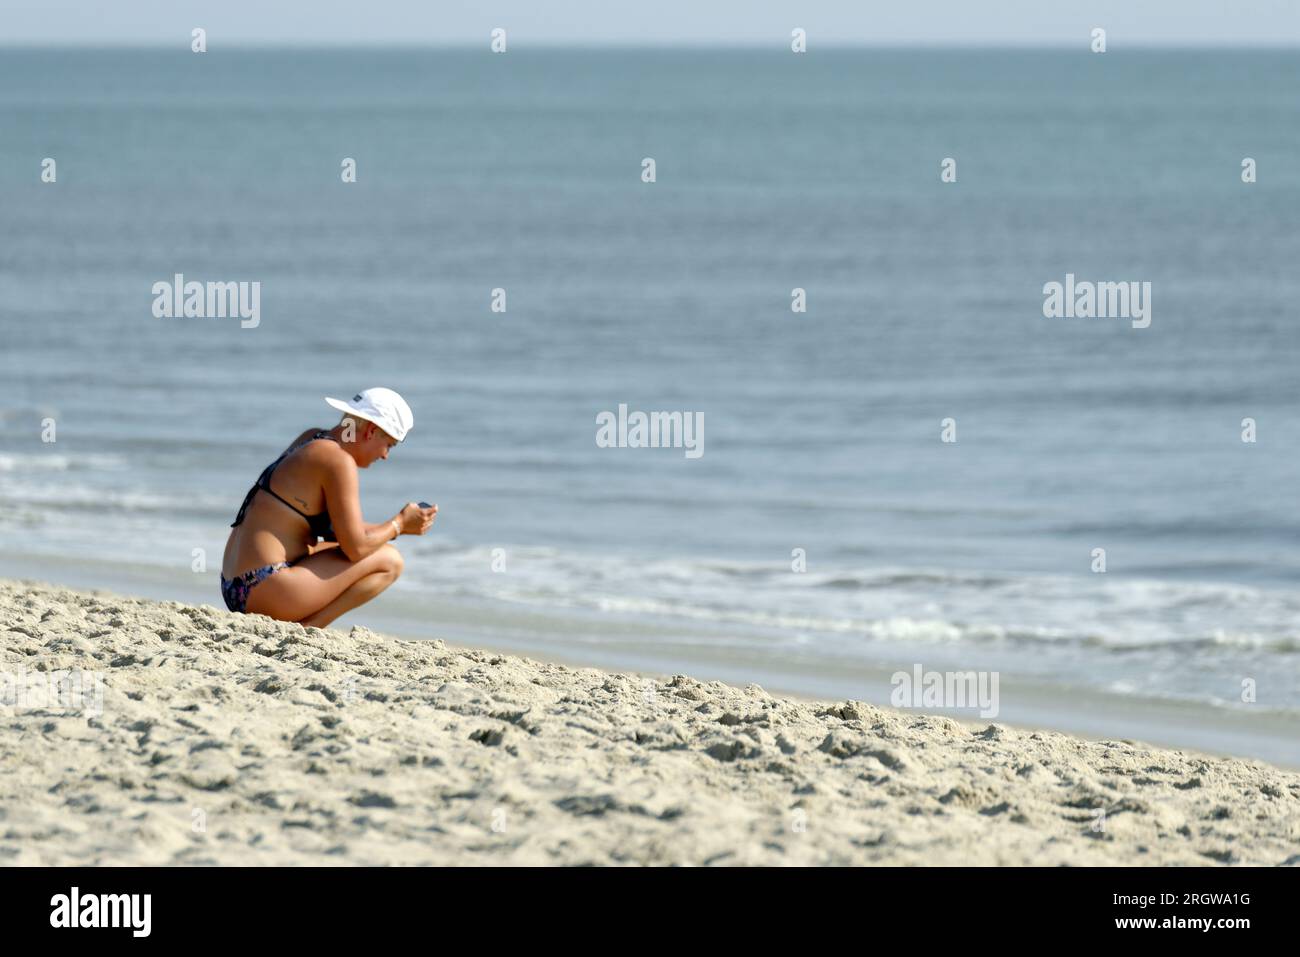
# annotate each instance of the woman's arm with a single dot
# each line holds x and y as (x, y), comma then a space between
(356, 538)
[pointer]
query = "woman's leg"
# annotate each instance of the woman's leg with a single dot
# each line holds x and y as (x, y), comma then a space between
(323, 586)
(360, 593)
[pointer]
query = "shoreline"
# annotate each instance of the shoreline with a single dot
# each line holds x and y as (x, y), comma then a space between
(229, 739)
(637, 646)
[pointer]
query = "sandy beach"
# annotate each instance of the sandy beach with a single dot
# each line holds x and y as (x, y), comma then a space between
(196, 736)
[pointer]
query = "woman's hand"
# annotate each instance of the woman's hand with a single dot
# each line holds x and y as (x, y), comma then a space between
(414, 520)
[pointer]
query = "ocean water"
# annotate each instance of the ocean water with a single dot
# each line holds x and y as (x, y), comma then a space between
(821, 429)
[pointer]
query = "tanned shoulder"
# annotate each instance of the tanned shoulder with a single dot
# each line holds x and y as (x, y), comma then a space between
(332, 455)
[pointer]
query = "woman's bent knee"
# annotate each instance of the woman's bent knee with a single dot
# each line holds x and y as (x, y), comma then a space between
(393, 561)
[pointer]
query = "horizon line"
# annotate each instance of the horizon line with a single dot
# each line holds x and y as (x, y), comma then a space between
(782, 47)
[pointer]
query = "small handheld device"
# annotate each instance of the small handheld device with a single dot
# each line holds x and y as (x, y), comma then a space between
(425, 505)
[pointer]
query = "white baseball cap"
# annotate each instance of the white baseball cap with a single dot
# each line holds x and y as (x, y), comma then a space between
(384, 407)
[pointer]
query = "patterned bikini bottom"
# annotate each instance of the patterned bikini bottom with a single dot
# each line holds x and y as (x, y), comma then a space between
(235, 590)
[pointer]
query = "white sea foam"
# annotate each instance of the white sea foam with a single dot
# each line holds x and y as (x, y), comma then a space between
(24, 462)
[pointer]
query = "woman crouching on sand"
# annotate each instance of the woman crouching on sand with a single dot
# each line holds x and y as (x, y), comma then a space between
(273, 564)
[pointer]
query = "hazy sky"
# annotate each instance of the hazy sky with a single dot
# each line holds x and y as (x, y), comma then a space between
(714, 22)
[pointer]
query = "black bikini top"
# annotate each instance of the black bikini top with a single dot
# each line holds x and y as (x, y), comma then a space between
(319, 524)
